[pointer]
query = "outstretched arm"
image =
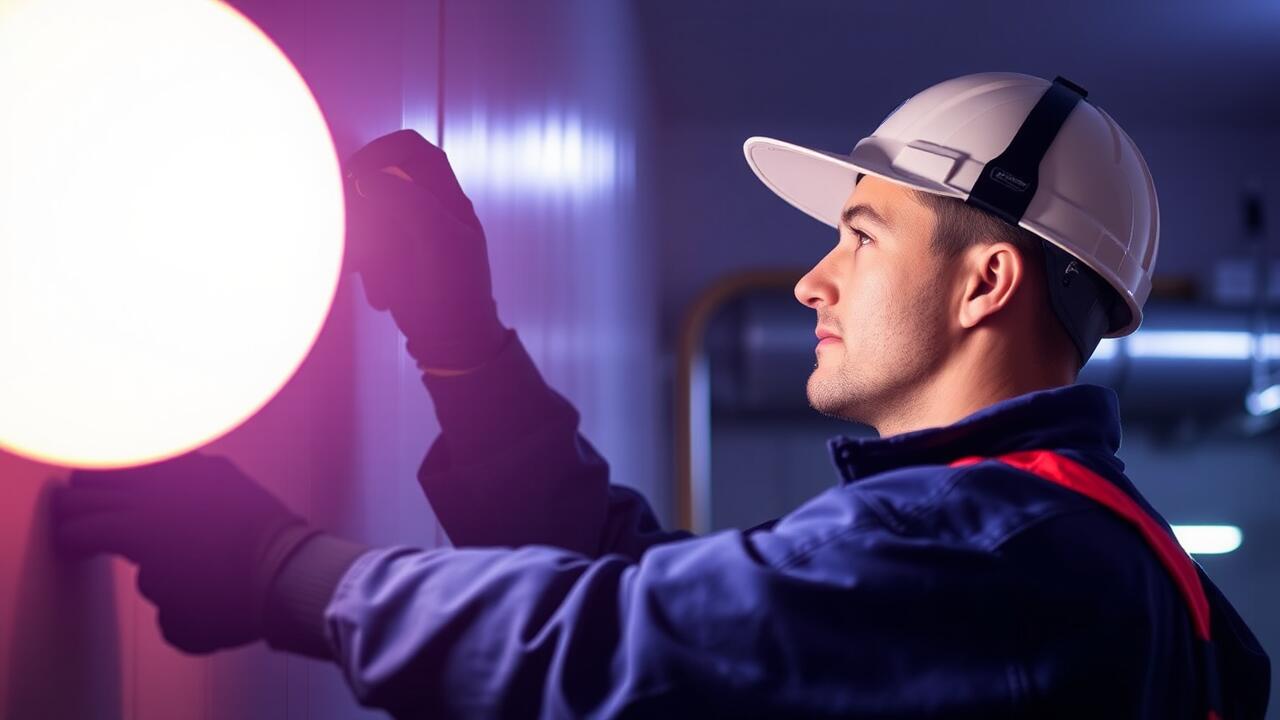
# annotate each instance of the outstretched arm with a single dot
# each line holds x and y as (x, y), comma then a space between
(511, 468)
(803, 622)
(830, 613)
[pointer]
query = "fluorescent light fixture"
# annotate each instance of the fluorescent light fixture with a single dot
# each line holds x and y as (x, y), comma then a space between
(1191, 345)
(1208, 539)
(1188, 345)
(1107, 349)
(1263, 402)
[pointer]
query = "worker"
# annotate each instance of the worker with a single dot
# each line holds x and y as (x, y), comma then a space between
(984, 556)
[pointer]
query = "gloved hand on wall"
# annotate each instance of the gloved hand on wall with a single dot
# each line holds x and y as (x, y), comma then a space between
(207, 540)
(415, 240)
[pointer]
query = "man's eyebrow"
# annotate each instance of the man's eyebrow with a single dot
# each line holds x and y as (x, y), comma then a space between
(861, 210)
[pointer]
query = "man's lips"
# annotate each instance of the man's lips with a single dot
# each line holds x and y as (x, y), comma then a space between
(826, 337)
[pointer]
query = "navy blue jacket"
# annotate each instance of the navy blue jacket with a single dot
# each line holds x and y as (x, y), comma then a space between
(910, 589)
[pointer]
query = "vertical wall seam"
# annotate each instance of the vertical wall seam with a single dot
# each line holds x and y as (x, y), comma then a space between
(441, 538)
(440, 77)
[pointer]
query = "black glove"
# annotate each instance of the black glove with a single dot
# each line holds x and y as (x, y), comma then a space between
(421, 251)
(207, 539)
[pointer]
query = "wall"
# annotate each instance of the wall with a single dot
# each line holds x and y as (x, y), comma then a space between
(541, 116)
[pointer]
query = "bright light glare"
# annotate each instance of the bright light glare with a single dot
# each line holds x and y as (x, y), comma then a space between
(1263, 402)
(1107, 349)
(171, 226)
(1200, 345)
(548, 154)
(1208, 539)
(1189, 345)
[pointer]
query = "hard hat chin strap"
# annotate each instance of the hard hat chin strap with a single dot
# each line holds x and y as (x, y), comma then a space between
(1084, 302)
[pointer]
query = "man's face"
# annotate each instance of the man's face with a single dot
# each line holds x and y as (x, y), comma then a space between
(882, 290)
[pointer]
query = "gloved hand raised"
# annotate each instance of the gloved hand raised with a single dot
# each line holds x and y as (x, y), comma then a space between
(207, 540)
(421, 251)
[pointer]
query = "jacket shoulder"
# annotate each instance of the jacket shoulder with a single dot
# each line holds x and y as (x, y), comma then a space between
(982, 505)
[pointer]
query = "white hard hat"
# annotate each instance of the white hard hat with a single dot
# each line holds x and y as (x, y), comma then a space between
(977, 138)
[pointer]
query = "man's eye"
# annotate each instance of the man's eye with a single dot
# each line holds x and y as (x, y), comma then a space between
(861, 237)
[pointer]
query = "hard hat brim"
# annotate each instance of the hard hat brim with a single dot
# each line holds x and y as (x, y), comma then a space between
(818, 182)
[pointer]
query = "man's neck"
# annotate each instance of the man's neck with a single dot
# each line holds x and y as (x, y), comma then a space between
(968, 385)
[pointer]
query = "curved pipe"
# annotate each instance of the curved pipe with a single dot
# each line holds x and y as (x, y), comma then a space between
(692, 391)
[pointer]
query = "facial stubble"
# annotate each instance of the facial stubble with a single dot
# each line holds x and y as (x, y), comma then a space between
(881, 377)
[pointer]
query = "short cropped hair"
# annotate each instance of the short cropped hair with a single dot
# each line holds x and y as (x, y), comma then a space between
(961, 226)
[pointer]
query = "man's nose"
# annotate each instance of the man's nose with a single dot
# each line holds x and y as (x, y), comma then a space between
(815, 288)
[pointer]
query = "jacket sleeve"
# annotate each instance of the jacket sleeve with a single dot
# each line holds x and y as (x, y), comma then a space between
(511, 468)
(813, 618)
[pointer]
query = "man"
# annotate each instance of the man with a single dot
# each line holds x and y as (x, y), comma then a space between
(985, 557)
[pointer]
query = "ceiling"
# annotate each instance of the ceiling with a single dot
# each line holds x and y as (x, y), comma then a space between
(1176, 63)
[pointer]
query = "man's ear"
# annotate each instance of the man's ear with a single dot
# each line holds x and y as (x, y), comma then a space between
(993, 273)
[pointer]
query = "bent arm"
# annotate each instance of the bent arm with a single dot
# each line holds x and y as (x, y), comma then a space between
(510, 467)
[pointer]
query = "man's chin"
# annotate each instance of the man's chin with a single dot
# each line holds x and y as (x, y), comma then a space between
(827, 396)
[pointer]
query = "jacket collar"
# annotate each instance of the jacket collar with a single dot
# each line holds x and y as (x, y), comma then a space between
(1077, 417)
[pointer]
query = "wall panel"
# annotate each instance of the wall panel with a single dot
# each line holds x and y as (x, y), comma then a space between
(541, 118)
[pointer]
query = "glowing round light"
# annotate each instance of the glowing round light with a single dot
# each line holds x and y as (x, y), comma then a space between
(171, 226)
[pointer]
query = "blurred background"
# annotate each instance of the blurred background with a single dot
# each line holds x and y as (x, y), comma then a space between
(649, 274)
